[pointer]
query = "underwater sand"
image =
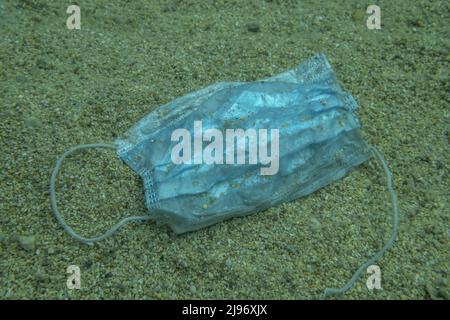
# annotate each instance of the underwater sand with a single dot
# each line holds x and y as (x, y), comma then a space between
(61, 87)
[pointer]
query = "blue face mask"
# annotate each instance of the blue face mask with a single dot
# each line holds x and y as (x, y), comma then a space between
(233, 149)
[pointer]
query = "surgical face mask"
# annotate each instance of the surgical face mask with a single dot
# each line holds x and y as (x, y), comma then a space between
(233, 149)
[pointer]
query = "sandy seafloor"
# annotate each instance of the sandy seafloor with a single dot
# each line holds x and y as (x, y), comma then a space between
(61, 87)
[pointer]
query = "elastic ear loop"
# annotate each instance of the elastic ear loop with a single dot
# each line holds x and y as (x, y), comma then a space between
(395, 221)
(56, 212)
(113, 229)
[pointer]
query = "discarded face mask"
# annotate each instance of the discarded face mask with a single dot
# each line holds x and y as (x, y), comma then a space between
(205, 158)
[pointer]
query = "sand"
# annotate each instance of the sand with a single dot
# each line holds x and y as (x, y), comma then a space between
(61, 87)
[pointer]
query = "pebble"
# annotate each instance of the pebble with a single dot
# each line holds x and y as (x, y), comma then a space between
(442, 293)
(32, 122)
(27, 242)
(165, 285)
(88, 263)
(315, 224)
(21, 79)
(253, 27)
(43, 64)
(291, 249)
(229, 263)
(39, 276)
(182, 263)
(417, 23)
(121, 287)
(358, 15)
(318, 20)
(192, 289)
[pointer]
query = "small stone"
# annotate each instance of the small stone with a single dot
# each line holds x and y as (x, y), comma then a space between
(291, 249)
(41, 277)
(51, 251)
(32, 122)
(430, 291)
(169, 8)
(229, 263)
(121, 287)
(43, 64)
(417, 23)
(21, 79)
(3, 238)
(88, 263)
(253, 27)
(182, 263)
(192, 289)
(442, 293)
(358, 15)
(165, 285)
(27, 242)
(315, 224)
(318, 20)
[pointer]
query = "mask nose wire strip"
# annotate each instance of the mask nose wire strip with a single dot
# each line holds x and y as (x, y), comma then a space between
(55, 209)
(389, 243)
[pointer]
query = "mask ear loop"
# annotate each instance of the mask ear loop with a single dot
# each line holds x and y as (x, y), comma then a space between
(395, 221)
(55, 209)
